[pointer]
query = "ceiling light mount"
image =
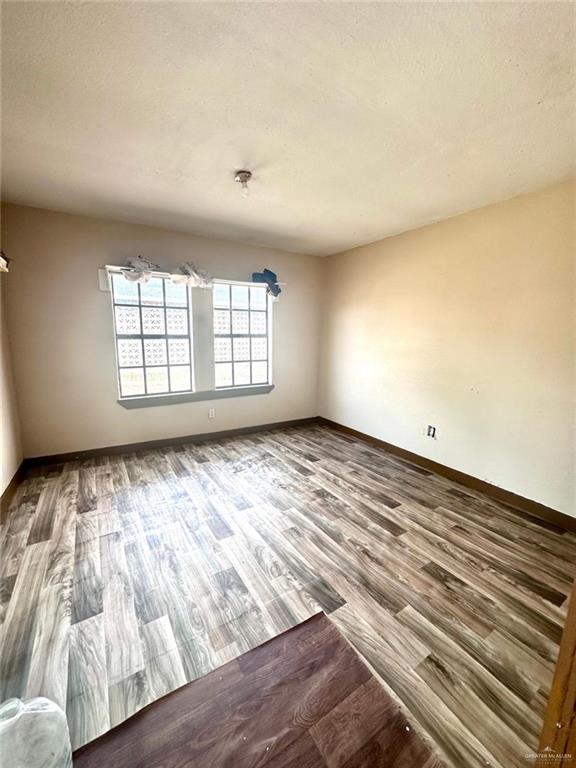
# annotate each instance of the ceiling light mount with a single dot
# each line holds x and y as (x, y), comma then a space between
(242, 178)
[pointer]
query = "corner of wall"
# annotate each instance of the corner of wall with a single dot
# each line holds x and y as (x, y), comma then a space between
(321, 361)
(11, 455)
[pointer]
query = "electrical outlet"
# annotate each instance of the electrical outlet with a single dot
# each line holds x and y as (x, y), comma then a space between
(211, 413)
(431, 431)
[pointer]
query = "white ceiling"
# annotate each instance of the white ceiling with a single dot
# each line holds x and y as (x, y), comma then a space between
(359, 120)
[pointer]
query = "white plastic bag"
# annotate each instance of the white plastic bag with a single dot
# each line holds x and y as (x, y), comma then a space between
(34, 734)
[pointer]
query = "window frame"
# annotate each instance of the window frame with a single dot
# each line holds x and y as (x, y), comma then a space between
(143, 337)
(248, 335)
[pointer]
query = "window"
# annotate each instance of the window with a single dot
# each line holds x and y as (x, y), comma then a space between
(153, 336)
(176, 343)
(241, 335)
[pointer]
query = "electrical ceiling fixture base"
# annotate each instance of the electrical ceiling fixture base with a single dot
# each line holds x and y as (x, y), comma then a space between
(242, 178)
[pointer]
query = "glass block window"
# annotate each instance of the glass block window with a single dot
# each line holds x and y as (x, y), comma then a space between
(153, 338)
(242, 325)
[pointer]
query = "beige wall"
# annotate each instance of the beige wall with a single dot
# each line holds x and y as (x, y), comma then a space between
(10, 444)
(467, 325)
(61, 329)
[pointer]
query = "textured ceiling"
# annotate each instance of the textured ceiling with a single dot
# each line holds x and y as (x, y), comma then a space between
(359, 120)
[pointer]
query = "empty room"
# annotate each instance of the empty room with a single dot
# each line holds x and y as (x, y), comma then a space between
(288, 384)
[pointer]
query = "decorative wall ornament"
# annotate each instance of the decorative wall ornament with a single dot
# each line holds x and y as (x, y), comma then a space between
(4, 262)
(271, 280)
(140, 270)
(192, 276)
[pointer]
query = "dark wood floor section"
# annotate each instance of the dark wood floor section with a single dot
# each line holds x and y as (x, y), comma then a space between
(123, 578)
(302, 700)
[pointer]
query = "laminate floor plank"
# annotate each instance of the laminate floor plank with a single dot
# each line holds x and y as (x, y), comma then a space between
(87, 584)
(87, 705)
(87, 661)
(496, 685)
(346, 728)
(43, 522)
(21, 623)
(501, 740)
(125, 577)
(16, 531)
(88, 715)
(51, 641)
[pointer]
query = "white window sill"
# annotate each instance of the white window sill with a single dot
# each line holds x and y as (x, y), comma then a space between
(151, 401)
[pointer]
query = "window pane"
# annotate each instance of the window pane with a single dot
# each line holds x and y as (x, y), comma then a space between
(223, 374)
(221, 321)
(155, 352)
(259, 349)
(239, 297)
(151, 292)
(179, 351)
(222, 349)
(241, 373)
(180, 378)
(177, 321)
(131, 382)
(157, 380)
(240, 322)
(259, 373)
(125, 292)
(161, 309)
(176, 295)
(258, 298)
(153, 321)
(240, 335)
(258, 322)
(221, 295)
(127, 320)
(241, 349)
(129, 352)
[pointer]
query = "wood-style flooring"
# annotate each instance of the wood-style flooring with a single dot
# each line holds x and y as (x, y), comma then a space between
(302, 700)
(124, 577)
